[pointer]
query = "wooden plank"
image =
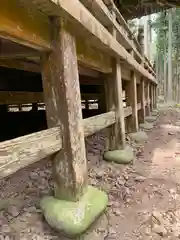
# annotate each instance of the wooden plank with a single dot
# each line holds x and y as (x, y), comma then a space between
(131, 91)
(24, 24)
(13, 97)
(124, 34)
(62, 95)
(11, 50)
(20, 65)
(21, 152)
(99, 122)
(97, 34)
(127, 111)
(92, 57)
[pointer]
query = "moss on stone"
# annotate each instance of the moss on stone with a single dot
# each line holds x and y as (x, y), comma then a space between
(146, 126)
(73, 218)
(138, 137)
(124, 156)
(155, 113)
(150, 119)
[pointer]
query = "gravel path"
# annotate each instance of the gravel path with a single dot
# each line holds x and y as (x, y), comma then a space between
(144, 197)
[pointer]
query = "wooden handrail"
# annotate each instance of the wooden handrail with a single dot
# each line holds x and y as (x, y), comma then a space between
(20, 152)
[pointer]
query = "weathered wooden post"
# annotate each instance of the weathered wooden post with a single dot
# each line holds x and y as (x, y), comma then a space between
(116, 143)
(87, 104)
(63, 107)
(147, 99)
(151, 97)
(131, 91)
(142, 100)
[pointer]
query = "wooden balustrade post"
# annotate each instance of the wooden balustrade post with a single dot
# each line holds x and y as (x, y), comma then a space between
(142, 100)
(63, 107)
(151, 96)
(131, 92)
(155, 96)
(114, 102)
(147, 99)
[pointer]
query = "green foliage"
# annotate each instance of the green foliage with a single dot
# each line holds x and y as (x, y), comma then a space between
(160, 25)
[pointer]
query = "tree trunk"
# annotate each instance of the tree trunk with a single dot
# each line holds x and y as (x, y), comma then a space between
(169, 87)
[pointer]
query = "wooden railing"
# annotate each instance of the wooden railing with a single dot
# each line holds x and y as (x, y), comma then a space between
(124, 35)
(20, 152)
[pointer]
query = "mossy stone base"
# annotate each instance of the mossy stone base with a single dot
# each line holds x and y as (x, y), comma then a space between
(73, 218)
(124, 156)
(150, 119)
(138, 137)
(146, 126)
(155, 113)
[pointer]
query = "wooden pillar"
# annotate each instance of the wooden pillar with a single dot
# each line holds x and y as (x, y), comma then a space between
(151, 96)
(155, 96)
(87, 104)
(142, 100)
(34, 107)
(114, 101)
(20, 107)
(131, 91)
(63, 107)
(102, 100)
(147, 99)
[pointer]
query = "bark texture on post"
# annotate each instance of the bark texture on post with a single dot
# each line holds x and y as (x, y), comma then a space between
(142, 101)
(131, 91)
(114, 101)
(151, 96)
(147, 99)
(63, 108)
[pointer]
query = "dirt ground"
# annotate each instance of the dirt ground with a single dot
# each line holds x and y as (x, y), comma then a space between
(144, 197)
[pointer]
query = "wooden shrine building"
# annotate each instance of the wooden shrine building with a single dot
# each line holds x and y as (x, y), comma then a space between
(64, 56)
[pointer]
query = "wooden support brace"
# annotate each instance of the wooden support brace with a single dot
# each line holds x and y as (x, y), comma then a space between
(114, 97)
(63, 107)
(131, 90)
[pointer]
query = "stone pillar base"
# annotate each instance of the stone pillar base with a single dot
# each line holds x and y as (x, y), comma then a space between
(74, 218)
(124, 156)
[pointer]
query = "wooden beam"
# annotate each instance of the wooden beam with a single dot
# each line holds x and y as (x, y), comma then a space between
(99, 122)
(11, 50)
(98, 36)
(92, 57)
(24, 24)
(21, 152)
(131, 91)
(62, 95)
(13, 97)
(20, 65)
(127, 111)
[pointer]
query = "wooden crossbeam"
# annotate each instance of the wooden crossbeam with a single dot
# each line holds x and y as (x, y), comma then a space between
(24, 24)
